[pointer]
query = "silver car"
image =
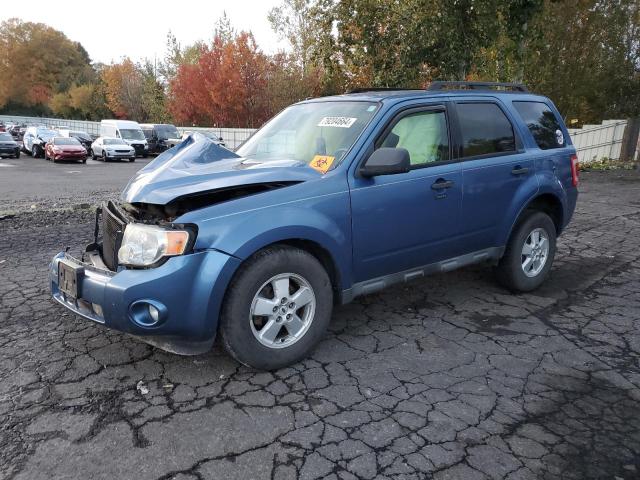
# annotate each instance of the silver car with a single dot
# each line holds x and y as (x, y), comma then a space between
(107, 148)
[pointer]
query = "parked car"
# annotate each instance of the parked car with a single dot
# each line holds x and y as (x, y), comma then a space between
(214, 138)
(107, 148)
(35, 139)
(65, 148)
(128, 131)
(333, 198)
(17, 132)
(8, 146)
(160, 136)
(83, 137)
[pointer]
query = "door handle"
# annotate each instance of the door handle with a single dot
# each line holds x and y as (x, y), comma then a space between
(441, 184)
(519, 170)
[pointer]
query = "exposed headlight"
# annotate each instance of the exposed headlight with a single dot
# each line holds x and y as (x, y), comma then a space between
(144, 245)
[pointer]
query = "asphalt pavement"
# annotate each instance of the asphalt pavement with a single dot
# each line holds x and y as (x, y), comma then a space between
(28, 181)
(449, 377)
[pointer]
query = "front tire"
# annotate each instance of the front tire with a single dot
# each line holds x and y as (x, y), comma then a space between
(35, 151)
(17, 155)
(276, 309)
(93, 155)
(132, 159)
(529, 254)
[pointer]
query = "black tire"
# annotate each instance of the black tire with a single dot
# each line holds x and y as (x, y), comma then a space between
(132, 159)
(93, 155)
(84, 160)
(104, 156)
(509, 272)
(35, 153)
(17, 155)
(235, 324)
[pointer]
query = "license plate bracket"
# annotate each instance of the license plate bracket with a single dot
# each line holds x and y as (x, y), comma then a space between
(69, 277)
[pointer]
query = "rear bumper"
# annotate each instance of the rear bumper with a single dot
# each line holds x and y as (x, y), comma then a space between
(570, 206)
(188, 291)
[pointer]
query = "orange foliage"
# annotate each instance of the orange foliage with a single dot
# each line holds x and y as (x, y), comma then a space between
(227, 86)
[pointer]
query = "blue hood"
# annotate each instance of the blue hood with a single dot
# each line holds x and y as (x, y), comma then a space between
(199, 165)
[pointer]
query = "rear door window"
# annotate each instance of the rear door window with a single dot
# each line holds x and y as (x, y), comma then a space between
(485, 130)
(542, 124)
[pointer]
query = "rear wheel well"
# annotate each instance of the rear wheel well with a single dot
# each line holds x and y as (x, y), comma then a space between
(550, 205)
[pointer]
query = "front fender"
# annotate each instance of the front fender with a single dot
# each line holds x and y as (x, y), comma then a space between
(325, 223)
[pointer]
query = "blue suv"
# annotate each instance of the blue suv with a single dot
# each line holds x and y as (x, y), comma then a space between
(333, 198)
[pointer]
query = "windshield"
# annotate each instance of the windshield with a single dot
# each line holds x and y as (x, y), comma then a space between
(166, 132)
(6, 137)
(114, 141)
(305, 131)
(45, 134)
(65, 141)
(132, 134)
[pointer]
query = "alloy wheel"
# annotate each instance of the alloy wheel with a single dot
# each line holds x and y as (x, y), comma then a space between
(535, 252)
(282, 310)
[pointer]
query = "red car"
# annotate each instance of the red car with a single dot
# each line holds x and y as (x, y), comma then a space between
(65, 148)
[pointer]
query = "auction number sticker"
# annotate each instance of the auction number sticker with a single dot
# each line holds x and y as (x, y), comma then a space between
(322, 163)
(340, 122)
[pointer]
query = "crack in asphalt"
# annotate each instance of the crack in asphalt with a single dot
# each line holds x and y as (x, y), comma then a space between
(446, 377)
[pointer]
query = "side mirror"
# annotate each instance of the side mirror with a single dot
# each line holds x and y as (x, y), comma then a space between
(386, 161)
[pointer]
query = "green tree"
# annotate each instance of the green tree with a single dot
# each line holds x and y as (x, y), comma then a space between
(585, 55)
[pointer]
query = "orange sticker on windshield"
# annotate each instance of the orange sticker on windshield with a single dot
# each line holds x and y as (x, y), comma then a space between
(322, 163)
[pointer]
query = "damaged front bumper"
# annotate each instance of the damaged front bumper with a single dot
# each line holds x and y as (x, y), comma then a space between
(186, 293)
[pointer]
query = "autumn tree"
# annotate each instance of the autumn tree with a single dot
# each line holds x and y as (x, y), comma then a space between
(38, 62)
(123, 87)
(226, 86)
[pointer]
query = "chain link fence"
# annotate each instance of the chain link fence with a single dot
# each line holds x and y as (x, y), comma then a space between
(232, 137)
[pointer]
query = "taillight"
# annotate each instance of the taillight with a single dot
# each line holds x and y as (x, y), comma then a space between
(574, 170)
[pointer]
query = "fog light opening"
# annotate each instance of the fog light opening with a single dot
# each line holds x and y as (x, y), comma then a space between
(148, 313)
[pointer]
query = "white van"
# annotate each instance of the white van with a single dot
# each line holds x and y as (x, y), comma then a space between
(128, 131)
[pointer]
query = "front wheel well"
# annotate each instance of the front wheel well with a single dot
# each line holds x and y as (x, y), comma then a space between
(549, 204)
(320, 253)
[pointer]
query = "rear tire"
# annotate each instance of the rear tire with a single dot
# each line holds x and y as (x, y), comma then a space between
(293, 329)
(529, 254)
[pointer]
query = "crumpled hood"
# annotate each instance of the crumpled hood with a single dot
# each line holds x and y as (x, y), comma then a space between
(199, 165)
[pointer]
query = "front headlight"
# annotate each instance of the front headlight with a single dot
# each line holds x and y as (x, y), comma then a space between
(144, 245)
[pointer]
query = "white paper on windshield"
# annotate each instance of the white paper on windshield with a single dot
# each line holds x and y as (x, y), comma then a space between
(340, 122)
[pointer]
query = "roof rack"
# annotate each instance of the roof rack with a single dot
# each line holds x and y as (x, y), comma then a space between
(378, 89)
(446, 85)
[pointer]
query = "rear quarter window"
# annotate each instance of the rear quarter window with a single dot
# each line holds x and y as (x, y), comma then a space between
(485, 130)
(542, 123)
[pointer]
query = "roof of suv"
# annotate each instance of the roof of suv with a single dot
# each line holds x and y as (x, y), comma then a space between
(475, 89)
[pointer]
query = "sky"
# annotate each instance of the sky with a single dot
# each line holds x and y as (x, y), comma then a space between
(112, 29)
